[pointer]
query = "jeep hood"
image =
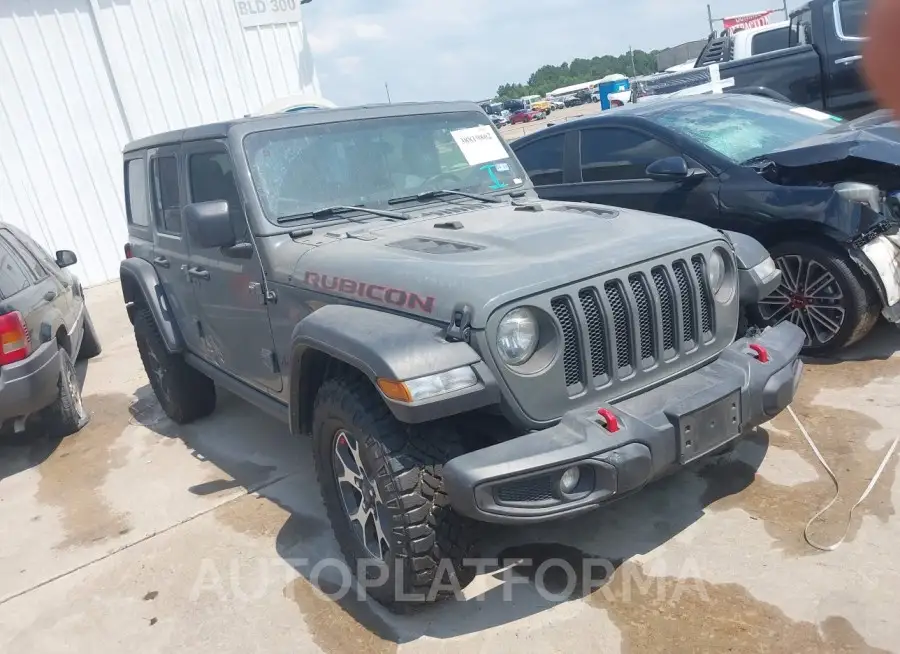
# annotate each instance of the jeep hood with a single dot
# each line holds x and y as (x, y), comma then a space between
(487, 255)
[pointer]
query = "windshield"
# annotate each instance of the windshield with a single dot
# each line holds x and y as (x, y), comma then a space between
(745, 129)
(369, 162)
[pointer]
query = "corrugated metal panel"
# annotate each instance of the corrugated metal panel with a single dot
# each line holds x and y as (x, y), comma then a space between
(79, 78)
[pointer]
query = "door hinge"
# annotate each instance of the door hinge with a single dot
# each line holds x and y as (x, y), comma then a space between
(270, 361)
(264, 297)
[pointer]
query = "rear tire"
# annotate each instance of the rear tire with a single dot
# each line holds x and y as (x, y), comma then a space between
(417, 535)
(67, 414)
(184, 393)
(834, 302)
(90, 342)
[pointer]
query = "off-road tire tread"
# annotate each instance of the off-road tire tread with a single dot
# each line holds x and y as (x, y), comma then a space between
(90, 342)
(192, 394)
(864, 306)
(62, 417)
(411, 458)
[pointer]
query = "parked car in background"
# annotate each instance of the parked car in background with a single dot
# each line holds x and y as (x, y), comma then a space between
(44, 327)
(526, 116)
(819, 192)
(499, 120)
(574, 101)
(557, 103)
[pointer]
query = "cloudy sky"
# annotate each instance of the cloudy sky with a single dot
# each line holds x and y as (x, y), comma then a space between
(464, 49)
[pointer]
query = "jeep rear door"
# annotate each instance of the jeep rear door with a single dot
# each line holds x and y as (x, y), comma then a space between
(227, 282)
(170, 249)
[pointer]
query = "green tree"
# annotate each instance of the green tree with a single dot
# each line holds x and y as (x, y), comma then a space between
(549, 77)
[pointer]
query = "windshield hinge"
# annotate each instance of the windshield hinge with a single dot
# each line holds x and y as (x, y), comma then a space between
(460, 325)
(263, 296)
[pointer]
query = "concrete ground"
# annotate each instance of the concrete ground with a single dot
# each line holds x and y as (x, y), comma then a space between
(136, 535)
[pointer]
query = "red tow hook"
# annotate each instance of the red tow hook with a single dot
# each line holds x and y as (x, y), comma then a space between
(762, 355)
(608, 420)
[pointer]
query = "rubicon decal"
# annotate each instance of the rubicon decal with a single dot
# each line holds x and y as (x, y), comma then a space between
(397, 297)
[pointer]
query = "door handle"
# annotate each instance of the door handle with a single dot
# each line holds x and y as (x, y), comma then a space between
(162, 262)
(50, 296)
(848, 60)
(199, 273)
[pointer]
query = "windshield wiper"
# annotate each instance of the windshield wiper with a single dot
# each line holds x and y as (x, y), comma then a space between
(339, 209)
(428, 195)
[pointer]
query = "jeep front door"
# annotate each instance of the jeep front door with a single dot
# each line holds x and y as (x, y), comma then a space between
(234, 319)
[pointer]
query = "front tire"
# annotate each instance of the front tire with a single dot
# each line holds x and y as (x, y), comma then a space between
(824, 293)
(184, 393)
(381, 484)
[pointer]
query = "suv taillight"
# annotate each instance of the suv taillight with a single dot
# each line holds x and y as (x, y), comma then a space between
(128, 252)
(15, 341)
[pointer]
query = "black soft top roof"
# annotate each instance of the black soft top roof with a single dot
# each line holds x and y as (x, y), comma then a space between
(297, 118)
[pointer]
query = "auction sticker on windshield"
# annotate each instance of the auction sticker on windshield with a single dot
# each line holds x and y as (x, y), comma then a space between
(812, 113)
(479, 144)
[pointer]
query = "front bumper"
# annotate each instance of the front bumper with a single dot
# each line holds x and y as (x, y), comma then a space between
(517, 481)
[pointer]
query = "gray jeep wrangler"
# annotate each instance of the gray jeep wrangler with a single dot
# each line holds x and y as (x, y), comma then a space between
(386, 280)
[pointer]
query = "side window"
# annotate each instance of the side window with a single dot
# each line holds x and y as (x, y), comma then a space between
(136, 193)
(212, 178)
(13, 277)
(612, 154)
(48, 262)
(34, 267)
(851, 17)
(770, 41)
(166, 205)
(543, 160)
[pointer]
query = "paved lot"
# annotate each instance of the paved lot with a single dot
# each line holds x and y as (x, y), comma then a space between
(512, 132)
(139, 536)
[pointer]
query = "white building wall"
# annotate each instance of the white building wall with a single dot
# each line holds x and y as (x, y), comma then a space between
(80, 78)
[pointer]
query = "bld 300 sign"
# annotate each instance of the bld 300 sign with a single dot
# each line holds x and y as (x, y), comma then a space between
(253, 13)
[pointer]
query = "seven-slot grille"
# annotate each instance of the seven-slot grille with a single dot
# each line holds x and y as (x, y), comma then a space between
(626, 322)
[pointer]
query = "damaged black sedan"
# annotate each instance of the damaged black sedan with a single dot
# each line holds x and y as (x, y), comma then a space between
(821, 193)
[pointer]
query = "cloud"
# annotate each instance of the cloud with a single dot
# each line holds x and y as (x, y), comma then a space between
(348, 65)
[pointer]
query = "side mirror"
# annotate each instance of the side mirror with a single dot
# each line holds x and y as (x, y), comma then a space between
(670, 169)
(209, 224)
(65, 258)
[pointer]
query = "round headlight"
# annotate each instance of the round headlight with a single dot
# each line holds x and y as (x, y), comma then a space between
(715, 268)
(722, 278)
(517, 336)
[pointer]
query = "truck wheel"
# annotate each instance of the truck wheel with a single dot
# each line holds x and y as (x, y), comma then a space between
(67, 414)
(381, 485)
(184, 393)
(824, 293)
(90, 342)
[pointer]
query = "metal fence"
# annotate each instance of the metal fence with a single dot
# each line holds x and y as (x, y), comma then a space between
(679, 54)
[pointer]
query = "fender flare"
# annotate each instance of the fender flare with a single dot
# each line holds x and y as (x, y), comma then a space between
(140, 284)
(382, 345)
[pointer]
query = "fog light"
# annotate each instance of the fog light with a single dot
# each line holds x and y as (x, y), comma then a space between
(569, 480)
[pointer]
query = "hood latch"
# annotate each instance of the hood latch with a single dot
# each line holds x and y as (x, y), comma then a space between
(460, 325)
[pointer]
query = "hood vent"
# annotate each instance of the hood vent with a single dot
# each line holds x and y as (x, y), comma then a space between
(590, 209)
(448, 210)
(433, 246)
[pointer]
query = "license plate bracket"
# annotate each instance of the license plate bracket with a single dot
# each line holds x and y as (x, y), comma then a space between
(703, 430)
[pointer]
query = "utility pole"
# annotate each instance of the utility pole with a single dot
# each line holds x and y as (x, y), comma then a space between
(633, 68)
(786, 14)
(712, 27)
(388, 91)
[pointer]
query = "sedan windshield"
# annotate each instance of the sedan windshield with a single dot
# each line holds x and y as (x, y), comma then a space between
(297, 170)
(744, 129)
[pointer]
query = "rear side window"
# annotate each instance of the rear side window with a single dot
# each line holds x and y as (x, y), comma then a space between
(212, 178)
(770, 41)
(34, 267)
(136, 193)
(543, 160)
(13, 277)
(611, 154)
(166, 205)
